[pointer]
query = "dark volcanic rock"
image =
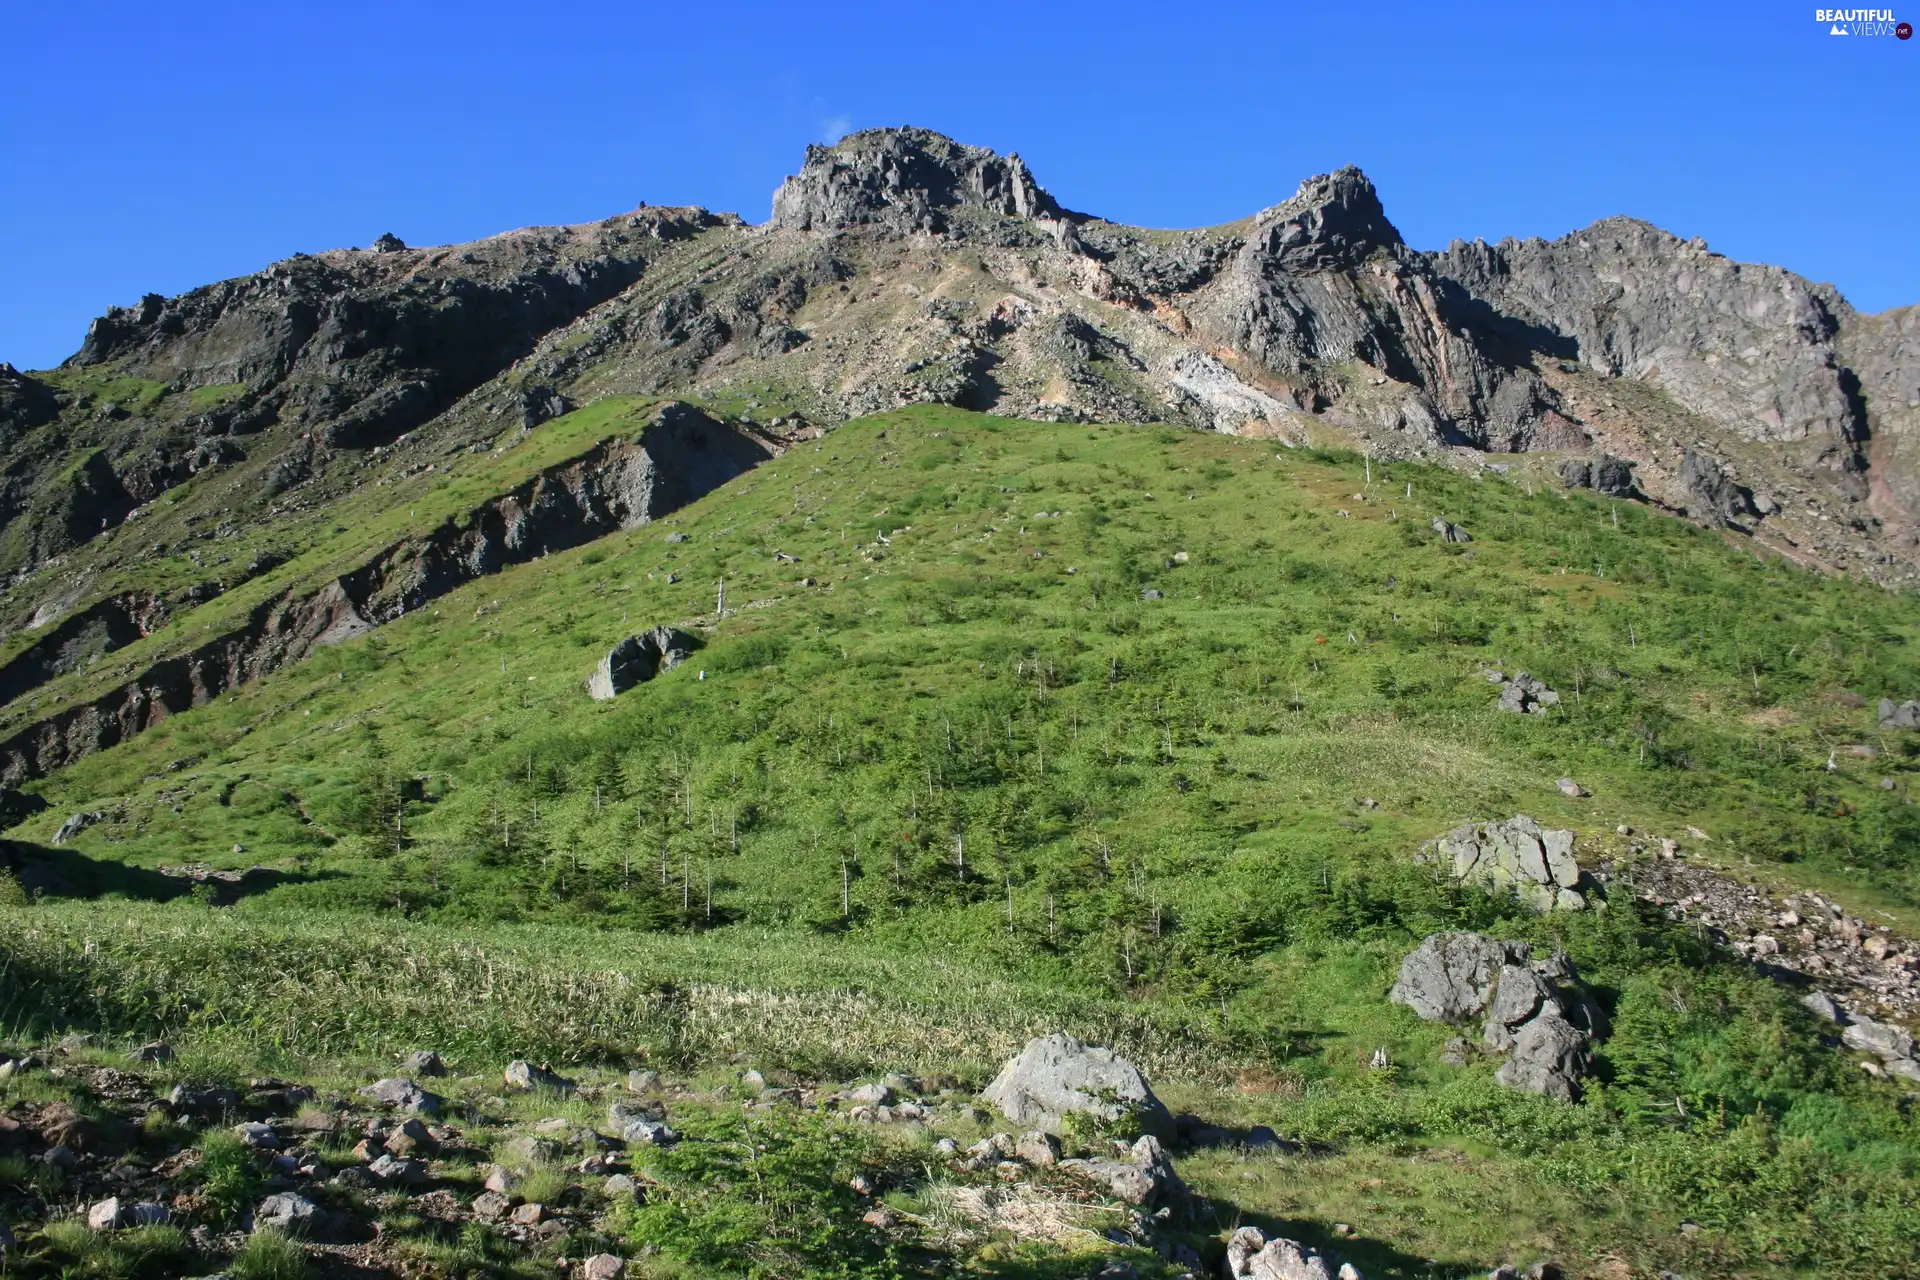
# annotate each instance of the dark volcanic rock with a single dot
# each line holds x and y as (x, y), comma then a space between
(1749, 347)
(25, 402)
(638, 659)
(905, 180)
(1711, 493)
(364, 347)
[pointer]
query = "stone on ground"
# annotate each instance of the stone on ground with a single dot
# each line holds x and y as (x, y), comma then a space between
(1056, 1076)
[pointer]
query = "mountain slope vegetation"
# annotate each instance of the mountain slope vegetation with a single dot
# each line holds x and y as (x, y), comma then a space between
(943, 776)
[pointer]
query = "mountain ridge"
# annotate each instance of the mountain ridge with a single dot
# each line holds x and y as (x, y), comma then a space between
(901, 267)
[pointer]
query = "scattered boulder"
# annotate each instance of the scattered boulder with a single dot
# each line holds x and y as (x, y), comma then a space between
(643, 1081)
(1450, 977)
(603, 1266)
(75, 824)
(1056, 1076)
(491, 1206)
(389, 243)
(1881, 1038)
(426, 1063)
(1549, 1057)
(1538, 1013)
(158, 1052)
(524, 1075)
(1251, 1255)
(526, 1152)
(288, 1214)
(1145, 1177)
(871, 1095)
(1450, 532)
(1892, 1045)
(403, 1094)
(1037, 1148)
(107, 1214)
(1825, 1006)
(1536, 863)
(638, 659)
(648, 1133)
(260, 1137)
(1904, 715)
(400, 1173)
(1571, 789)
(1526, 696)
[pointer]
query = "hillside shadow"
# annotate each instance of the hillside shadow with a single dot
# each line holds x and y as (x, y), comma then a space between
(67, 873)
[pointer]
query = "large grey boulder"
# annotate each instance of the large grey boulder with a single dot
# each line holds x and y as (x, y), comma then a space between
(75, 824)
(638, 659)
(1450, 977)
(1881, 1038)
(1251, 1255)
(292, 1215)
(1145, 1177)
(1549, 1056)
(403, 1094)
(1056, 1076)
(1534, 862)
(1537, 1011)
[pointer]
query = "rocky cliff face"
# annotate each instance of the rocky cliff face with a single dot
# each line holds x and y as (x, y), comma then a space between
(679, 454)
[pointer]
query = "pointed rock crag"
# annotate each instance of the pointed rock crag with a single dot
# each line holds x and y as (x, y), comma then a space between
(1334, 220)
(905, 180)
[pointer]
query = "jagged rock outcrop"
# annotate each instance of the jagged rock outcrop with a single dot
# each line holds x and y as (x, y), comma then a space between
(25, 402)
(1519, 856)
(637, 659)
(1750, 347)
(1523, 695)
(359, 347)
(1538, 1013)
(1610, 476)
(905, 180)
(1711, 494)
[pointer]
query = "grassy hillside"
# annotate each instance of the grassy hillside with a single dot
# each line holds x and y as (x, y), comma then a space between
(947, 771)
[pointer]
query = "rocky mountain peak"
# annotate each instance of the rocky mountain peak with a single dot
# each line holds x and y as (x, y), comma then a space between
(905, 180)
(1334, 219)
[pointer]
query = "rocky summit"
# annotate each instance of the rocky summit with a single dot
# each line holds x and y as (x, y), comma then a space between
(938, 734)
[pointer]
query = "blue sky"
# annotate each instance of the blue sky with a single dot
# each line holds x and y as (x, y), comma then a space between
(149, 147)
